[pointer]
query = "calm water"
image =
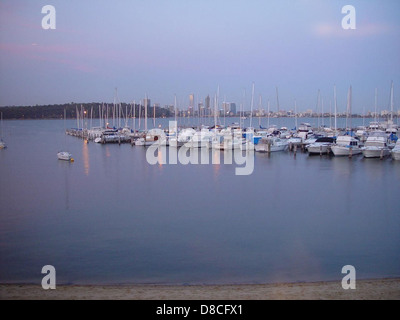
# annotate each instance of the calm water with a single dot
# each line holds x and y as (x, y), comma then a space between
(110, 217)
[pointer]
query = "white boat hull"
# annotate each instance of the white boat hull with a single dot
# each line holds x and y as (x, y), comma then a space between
(295, 141)
(226, 145)
(148, 143)
(263, 147)
(339, 151)
(318, 149)
(396, 154)
(374, 152)
(197, 144)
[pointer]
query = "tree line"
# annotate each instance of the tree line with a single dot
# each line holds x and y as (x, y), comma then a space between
(72, 110)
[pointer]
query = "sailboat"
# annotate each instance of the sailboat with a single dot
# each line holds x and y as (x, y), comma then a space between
(65, 155)
(2, 143)
(346, 145)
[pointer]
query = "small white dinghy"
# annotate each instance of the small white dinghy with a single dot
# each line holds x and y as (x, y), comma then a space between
(64, 155)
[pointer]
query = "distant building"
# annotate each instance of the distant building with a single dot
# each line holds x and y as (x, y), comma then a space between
(207, 106)
(170, 108)
(232, 108)
(191, 100)
(147, 101)
(225, 107)
(200, 109)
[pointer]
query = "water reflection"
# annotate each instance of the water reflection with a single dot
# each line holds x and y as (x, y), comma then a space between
(66, 173)
(216, 163)
(65, 166)
(375, 168)
(108, 154)
(85, 154)
(344, 165)
(161, 156)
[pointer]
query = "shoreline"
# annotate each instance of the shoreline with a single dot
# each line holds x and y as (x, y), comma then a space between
(372, 289)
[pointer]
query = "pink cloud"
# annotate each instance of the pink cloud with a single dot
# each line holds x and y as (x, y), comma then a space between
(362, 30)
(70, 56)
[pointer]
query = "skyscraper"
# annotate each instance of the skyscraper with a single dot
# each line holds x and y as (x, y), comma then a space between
(191, 104)
(207, 106)
(191, 100)
(232, 108)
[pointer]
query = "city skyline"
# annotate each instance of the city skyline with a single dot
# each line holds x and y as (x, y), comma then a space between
(166, 49)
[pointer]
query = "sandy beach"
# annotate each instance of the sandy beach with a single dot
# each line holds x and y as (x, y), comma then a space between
(379, 289)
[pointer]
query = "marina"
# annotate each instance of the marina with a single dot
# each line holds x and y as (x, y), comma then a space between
(322, 140)
(374, 141)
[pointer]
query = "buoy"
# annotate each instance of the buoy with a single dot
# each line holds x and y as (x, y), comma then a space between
(72, 160)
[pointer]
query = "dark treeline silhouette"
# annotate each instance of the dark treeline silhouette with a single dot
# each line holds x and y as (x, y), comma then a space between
(92, 110)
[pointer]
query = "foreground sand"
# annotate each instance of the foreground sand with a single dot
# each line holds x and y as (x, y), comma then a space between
(382, 289)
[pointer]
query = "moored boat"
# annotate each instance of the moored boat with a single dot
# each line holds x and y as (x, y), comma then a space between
(271, 144)
(376, 147)
(396, 151)
(321, 145)
(346, 146)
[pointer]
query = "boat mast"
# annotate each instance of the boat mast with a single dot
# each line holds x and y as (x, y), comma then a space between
(106, 118)
(215, 112)
(318, 99)
(176, 122)
(126, 114)
(322, 112)
(259, 111)
(100, 116)
(376, 103)
(145, 113)
(154, 115)
(118, 106)
(251, 106)
(391, 104)
(134, 116)
(216, 107)
(349, 107)
(140, 113)
(217, 101)
(335, 100)
(242, 109)
(277, 101)
(77, 117)
(91, 117)
(224, 108)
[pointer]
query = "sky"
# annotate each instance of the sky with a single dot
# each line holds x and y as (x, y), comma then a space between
(164, 48)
